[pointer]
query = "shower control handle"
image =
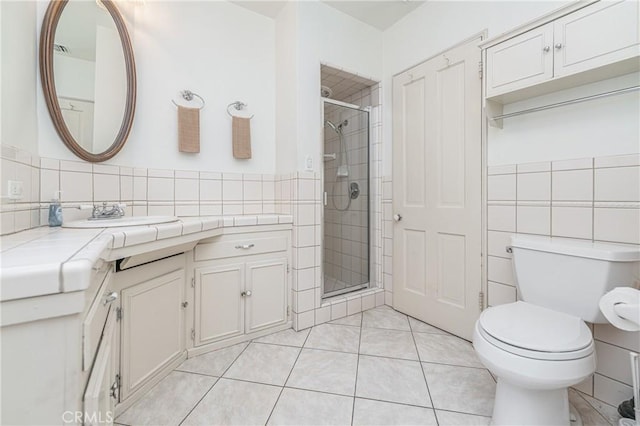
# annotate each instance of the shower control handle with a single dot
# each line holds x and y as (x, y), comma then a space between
(397, 217)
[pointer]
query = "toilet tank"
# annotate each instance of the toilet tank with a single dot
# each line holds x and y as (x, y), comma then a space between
(571, 275)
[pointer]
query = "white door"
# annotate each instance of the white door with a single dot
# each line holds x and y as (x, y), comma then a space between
(437, 190)
(152, 328)
(219, 304)
(597, 35)
(266, 294)
(521, 61)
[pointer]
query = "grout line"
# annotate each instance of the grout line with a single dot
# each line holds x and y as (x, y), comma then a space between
(293, 366)
(422, 370)
(212, 386)
(355, 386)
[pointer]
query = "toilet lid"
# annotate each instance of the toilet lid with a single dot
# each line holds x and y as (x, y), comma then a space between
(535, 328)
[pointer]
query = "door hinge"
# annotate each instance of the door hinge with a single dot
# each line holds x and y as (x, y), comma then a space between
(193, 334)
(193, 282)
(118, 314)
(288, 268)
(480, 69)
(288, 311)
(481, 300)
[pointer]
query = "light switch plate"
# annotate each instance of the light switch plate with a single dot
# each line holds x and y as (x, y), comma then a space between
(14, 190)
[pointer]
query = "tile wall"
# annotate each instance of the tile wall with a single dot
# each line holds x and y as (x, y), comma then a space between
(144, 191)
(594, 199)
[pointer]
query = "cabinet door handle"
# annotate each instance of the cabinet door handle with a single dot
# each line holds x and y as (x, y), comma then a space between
(245, 246)
(246, 293)
(110, 298)
(114, 390)
(185, 304)
(558, 46)
(546, 48)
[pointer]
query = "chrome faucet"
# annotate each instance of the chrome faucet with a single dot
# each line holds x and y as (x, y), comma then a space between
(116, 211)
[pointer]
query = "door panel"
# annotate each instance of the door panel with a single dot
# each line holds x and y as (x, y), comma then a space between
(219, 306)
(152, 328)
(597, 35)
(437, 242)
(267, 305)
(521, 61)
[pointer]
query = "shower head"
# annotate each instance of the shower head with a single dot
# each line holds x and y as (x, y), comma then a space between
(338, 128)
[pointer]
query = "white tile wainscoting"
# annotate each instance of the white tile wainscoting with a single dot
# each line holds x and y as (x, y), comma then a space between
(375, 367)
(595, 199)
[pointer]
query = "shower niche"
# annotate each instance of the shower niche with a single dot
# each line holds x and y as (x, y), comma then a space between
(346, 181)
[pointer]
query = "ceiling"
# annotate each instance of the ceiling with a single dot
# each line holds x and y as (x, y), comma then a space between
(380, 14)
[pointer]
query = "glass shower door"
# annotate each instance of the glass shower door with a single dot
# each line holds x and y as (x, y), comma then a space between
(346, 200)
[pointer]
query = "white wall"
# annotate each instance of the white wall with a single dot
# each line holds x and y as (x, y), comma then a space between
(326, 35)
(219, 50)
(75, 77)
(436, 26)
(18, 78)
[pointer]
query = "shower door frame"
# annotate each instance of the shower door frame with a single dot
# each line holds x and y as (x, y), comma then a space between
(367, 285)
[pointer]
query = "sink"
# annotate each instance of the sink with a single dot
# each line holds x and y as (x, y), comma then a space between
(122, 221)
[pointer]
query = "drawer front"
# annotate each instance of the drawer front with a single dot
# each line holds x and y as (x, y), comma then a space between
(95, 320)
(240, 245)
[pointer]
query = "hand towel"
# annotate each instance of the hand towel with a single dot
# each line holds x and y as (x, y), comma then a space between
(188, 129)
(241, 137)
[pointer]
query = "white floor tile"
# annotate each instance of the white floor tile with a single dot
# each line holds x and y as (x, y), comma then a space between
(353, 320)
(232, 402)
(369, 412)
(392, 380)
(461, 389)
(325, 371)
(300, 407)
(385, 317)
(263, 363)
(334, 337)
(445, 349)
(287, 337)
(450, 418)
(213, 363)
(169, 401)
(388, 343)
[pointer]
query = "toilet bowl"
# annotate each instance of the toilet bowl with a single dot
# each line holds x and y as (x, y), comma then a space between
(540, 346)
(534, 360)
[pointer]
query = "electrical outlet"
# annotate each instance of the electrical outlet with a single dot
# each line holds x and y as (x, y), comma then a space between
(309, 163)
(14, 190)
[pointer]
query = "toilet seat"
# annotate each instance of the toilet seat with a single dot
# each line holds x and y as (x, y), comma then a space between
(535, 332)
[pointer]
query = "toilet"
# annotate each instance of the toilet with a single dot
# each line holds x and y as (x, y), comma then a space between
(540, 345)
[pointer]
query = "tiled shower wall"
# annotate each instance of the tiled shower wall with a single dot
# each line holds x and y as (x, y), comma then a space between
(595, 199)
(346, 230)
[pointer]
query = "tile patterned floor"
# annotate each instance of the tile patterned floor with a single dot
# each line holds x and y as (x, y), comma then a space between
(378, 367)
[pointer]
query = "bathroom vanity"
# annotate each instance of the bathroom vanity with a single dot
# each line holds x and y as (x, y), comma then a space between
(96, 317)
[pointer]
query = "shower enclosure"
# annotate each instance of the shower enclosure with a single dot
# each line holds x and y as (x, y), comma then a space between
(346, 198)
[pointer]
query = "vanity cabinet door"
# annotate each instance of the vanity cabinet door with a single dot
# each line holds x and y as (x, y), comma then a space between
(597, 35)
(101, 393)
(219, 306)
(267, 301)
(519, 62)
(152, 328)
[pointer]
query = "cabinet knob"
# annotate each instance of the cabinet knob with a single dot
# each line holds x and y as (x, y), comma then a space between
(185, 304)
(558, 46)
(397, 217)
(546, 48)
(111, 297)
(246, 293)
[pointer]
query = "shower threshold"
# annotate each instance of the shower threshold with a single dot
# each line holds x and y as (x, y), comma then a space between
(342, 288)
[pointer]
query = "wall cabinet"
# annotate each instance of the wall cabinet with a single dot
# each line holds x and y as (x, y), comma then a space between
(242, 289)
(595, 36)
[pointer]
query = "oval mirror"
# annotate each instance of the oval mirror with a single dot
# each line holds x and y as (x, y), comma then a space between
(88, 76)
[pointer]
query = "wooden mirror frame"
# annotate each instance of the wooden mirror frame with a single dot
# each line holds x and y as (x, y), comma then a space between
(47, 36)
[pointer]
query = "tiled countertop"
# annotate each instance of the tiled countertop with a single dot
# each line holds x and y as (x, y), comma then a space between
(45, 261)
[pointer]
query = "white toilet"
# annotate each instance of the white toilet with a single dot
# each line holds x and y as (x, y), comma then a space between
(540, 346)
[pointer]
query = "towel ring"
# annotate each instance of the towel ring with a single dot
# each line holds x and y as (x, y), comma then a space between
(238, 105)
(188, 96)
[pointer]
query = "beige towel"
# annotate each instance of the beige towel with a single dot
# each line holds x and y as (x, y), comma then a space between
(188, 129)
(241, 137)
